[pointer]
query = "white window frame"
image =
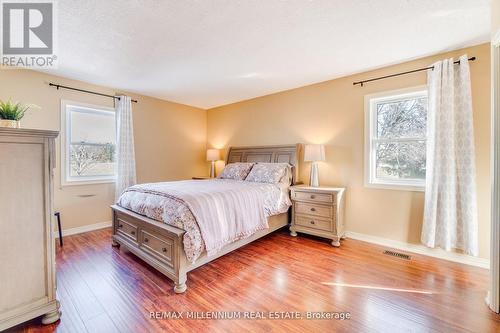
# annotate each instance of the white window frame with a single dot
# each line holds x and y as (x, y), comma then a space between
(493, 298)
(66, 179)
(370, 131)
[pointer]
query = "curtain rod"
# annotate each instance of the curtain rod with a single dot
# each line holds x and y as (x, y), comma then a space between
(85, 91)
(404, 73)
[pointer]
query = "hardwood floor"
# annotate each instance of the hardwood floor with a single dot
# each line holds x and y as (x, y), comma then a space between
(104, 289)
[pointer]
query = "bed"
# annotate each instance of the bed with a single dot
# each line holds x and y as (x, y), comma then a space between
(165, 246)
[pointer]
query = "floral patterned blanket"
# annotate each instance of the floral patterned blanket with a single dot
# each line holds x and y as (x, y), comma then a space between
(213, 213)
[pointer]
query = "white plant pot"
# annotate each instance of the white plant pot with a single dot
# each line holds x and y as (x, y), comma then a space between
(10, 123)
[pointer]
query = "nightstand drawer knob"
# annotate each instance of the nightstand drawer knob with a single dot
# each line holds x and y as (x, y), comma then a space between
(313, 196)
(132, 232)
(313, 209)
(164, 249)
(120, 226)
(146, 240)
(312, 222)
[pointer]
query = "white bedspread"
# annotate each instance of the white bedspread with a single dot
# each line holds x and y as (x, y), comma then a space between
(220, 211)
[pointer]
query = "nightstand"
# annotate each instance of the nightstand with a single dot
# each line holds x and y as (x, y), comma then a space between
(318, 211)
(201, 178)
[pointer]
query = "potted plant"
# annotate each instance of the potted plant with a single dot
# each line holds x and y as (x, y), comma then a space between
(11, 113)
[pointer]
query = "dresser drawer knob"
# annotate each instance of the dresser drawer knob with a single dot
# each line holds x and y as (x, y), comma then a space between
(313, 209)
(132, 232)
(146, 240)
(120, 226)
(313, 196)
(312, 222)
(164, 249)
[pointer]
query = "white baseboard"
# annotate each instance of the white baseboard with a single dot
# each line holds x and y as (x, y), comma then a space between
(82, 229)
(421, 249)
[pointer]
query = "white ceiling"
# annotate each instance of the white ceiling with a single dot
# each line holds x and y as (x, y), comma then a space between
(208, 53)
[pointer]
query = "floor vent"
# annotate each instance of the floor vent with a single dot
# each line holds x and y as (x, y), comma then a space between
(397, 254)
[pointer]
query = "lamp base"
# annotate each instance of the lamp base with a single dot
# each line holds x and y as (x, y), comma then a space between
(212, 170)
(314, 176)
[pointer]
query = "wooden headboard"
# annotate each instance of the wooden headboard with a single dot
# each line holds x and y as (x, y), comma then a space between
(268, 154)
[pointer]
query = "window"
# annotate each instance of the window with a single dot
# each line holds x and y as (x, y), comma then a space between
(88, 139)
(395, 147)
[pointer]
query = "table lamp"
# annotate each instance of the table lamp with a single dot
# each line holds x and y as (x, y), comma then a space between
(314, 153)
(212, 156)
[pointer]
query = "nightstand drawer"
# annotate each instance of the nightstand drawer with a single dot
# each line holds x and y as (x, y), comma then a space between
(313, 222)
(314, 197)
(313, 209)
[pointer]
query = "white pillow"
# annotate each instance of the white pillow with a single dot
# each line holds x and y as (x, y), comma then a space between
(237, 171)
(269, 173)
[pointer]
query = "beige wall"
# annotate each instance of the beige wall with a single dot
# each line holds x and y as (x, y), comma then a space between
(332, 113)
(170, 139)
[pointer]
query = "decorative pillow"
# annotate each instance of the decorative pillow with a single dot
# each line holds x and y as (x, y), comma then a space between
(268, 172)
(237, 171)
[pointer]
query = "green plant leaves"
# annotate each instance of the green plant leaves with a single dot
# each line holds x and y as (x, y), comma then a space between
(12, 111)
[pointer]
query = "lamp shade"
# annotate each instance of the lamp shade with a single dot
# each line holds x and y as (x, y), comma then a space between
(213, 154)
(314, 153)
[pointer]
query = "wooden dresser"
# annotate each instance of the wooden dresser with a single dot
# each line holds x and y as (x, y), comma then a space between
(27, 250)
(318, 211)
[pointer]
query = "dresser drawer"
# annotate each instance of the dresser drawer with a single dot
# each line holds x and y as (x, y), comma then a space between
(313, 197)
(313, 209)
(313, 222)
(127, 229)
(157, 245)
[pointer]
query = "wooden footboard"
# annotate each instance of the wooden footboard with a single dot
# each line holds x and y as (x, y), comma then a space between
(160, 244)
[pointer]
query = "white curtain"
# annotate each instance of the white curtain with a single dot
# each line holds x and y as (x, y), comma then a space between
(125, 153)
(450, 214)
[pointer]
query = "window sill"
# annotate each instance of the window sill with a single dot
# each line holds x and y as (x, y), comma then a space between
(87, 182)
(397, 187)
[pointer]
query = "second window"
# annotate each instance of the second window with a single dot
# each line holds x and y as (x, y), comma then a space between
(396, 139)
